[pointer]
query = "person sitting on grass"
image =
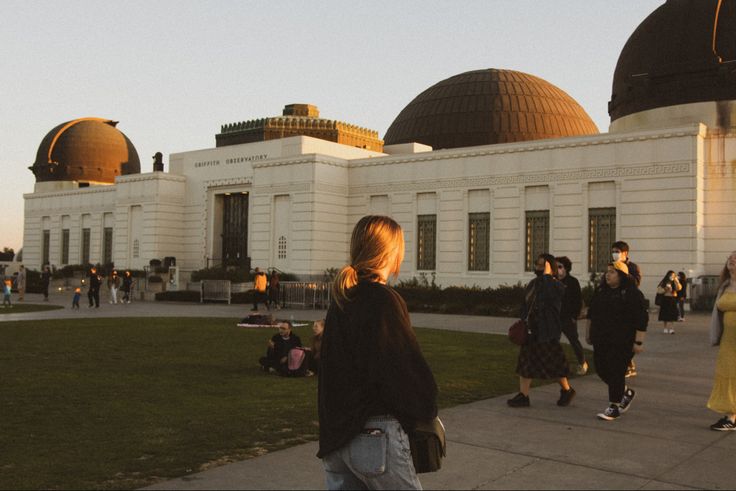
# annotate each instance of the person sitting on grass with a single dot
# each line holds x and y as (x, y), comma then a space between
(277, 355)
(314, 359)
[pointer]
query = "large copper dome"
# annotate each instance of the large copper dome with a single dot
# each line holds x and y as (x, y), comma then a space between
(489, 106)
(85, 150)
(684, 52)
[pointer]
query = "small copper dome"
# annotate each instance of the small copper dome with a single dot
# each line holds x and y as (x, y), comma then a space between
(684, 52)
(489, 106)
(87, 150)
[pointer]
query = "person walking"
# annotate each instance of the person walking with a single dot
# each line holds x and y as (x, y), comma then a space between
(723, 334)
(617, 323)
(620, 252)
(667, 293)
(374, 383)
(45, 282)
(113, 283)
(572, 304)
(7, 286)
(681, 296)
(542, 355)
(20, 283)
(259, 289)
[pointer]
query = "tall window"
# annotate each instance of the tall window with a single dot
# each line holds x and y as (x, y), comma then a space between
(85, 245)
(479, 225)
(46, 246)
(426, 241)
(537, 236)
(601, 234)
(65, 246)
(107, 246)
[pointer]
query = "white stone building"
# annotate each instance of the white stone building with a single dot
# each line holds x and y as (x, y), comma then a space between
(483, 171)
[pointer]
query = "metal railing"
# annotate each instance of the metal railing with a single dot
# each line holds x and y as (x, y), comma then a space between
(215, 290)
(703, 292)
(307, 295)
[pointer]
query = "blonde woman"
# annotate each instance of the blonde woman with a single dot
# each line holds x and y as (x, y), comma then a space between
(374, 383)
(723, 334)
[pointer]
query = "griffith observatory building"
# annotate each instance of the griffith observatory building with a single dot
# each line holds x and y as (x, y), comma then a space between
(483, 170)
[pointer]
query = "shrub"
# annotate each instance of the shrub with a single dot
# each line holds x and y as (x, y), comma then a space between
(178, 296)
(155, 279)
(425, 296)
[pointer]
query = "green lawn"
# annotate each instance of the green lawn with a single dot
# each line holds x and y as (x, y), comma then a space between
(19, 308)
(122, 403)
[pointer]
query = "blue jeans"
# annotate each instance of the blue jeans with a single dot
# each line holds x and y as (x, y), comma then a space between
(378, 458)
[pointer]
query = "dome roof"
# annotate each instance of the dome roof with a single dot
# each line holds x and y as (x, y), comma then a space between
(489, 106)
(684, 52)
(85, 149)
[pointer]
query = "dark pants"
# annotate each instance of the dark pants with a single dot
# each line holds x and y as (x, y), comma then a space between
(45, 291)
(273, 361)
(94, 297)
(611, 361)
(681, 307)
(259, 297)
(570, 330)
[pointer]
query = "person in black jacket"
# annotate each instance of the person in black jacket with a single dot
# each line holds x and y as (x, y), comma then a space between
(572, 303)
(542, 356)
(277, 354)
(374, 383)
(93, 294)
(616, 328)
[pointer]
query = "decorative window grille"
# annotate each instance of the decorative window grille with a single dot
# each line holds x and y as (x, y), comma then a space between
(426, 241)
(65, 246)
(86, 235)
(479, 229)
(282, 247)
(46, 246)
(537, 236)
(107, 245)
(601, 234)
(136, 248)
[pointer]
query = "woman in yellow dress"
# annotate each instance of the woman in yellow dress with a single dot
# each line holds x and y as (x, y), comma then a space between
(723, 334)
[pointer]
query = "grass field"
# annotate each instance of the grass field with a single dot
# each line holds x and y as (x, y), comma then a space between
(122, 403)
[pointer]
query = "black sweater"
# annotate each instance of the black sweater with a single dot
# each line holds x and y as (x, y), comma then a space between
(371, 365)
(572, 301)
(616, 314)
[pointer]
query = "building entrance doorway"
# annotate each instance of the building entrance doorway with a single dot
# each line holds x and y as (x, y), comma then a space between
(235, 230)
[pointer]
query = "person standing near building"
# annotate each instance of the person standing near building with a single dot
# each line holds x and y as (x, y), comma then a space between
(617, 322)
(374, 383)
(667, 291)
(723, 334)
(681, 295)
(113, 283)
(542, 356)
(7, 286)
(572, 303)
(259, 289)
(20, 283)
(127, 286)
(45, 281)
(95, 280)
(274, 289)
(620, 252)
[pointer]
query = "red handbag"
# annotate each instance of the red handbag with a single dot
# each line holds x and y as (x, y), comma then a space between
(519, 332)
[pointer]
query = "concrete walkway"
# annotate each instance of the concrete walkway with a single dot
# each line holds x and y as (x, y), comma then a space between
(663, 442)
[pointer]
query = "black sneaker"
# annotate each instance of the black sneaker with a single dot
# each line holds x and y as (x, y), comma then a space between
(519, 400)
(626, 400)
(566, 396)
(612, 412)
(723, 424)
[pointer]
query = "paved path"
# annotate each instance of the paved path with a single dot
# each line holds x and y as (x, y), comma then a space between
(663, 442)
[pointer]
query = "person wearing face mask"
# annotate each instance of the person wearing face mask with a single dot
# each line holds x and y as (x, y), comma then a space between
(617, 323)
(668, 288)
(542, 356)
(620, 252)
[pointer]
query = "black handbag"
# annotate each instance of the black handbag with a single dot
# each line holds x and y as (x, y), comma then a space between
(428, 446)
(519, 332)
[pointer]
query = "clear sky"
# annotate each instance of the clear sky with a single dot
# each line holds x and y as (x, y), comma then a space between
(173, 71)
